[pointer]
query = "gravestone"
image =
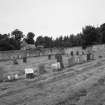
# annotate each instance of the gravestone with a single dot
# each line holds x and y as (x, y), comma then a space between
(60, 60)
(49, 55)
(84, 58)
(81, 59)
(92, 56)
(76, 59)
(56, 66)
(29, 72)
(12, 77)
(77, 53)
(41, 68)
(88, 56)
(25, 57)
(71, 61)
(2, 72)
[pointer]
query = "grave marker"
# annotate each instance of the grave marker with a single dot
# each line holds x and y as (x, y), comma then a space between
(49, 55)
(29, 72)
(60, 60)
(41, 69)
(81, 59)
(71, 61)
(56, 66)
(12, 77)
(77, 59)
(84, 58)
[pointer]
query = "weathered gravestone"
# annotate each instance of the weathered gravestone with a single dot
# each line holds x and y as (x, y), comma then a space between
(84, 58)
(2, 72)
(55, 66)
(29, 73)
(25, 59)
(25, 56)
(77, 53)
(49, 55)
(81, 59)
(12, 77)
(60, 60)
(88, 56)
(76, 59)
(71, 61)
(41, 68)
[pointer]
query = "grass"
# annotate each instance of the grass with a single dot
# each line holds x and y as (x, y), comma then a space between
(61, 85)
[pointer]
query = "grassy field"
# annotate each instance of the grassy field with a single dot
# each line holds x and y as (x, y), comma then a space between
(82, 84)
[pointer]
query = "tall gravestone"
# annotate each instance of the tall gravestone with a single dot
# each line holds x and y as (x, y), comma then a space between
(71, 60)
(49, 55)
(77, 57)
(25, 57)
(84, 57)
(59, 59)
(41, 68)
(88, 56)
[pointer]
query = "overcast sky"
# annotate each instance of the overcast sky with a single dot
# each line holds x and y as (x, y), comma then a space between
(50, 17)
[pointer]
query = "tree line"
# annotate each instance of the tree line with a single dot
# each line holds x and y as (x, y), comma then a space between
(89, 36)
(13, 40)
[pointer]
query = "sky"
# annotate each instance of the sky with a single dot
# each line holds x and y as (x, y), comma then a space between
(50, 17)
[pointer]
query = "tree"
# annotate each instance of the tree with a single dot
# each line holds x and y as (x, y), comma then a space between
(15, 43)
(5, 44)
(90, 36)
(39, 41)
(30, 38)
(16, 38)
(46, 41)
(66, 42)
(59, 42)
(17, 34)
(102, 32)
(78, 39)
(72, 40)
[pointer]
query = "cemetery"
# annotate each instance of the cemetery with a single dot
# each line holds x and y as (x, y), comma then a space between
(52, 52)
(68, 78)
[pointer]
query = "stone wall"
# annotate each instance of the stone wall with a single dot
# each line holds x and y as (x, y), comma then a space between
(7, 55)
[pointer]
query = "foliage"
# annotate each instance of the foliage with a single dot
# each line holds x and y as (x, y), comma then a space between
(46, 41)
(30, 38)
(89, 36)
(102, 32)
(17, 34)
